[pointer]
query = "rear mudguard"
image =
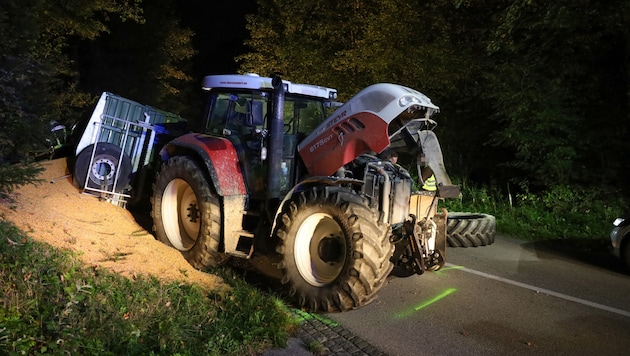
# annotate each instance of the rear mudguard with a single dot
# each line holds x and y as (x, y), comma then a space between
(221, 161)
(310, 182)
(219, 157)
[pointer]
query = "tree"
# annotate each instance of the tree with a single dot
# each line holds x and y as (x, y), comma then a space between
(560, 86)
(342, 44)
(146, 61)
(37, 82)
(531, 92)
(435, 47)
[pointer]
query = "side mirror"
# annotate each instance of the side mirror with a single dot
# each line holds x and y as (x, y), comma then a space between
(255, 113)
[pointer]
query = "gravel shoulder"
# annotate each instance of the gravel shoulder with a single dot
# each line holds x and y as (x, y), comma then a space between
(100, 233)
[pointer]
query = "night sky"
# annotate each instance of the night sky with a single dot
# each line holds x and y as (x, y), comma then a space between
(219, 28)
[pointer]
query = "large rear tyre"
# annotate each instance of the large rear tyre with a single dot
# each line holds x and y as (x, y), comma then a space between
(101, 173)
(470, 229)
(186, 213)
(334, 255)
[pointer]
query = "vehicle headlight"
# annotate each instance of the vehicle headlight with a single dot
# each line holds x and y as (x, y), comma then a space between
(407, 100)
(618, 221)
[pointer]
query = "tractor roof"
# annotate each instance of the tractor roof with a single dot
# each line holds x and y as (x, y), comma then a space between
(256, 82)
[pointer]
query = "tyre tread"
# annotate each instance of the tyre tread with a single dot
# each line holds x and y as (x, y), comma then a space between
(369, 263)
(470, 229)
(205, 253)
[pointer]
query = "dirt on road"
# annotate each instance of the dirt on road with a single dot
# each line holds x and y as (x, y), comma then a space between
(102, 234)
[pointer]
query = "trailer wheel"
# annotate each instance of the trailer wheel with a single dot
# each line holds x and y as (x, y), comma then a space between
(470, 229)
(186, 213)
(334, 256)
(101, 173)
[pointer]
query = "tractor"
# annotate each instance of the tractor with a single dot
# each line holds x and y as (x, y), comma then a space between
(272, 177)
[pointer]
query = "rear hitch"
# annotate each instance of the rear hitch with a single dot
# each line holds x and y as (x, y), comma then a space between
(407, 247)
(415, 245)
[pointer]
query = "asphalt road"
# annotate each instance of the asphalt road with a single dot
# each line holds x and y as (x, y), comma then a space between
(510, 298)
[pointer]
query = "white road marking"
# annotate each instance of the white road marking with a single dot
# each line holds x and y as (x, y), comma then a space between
(542, 290)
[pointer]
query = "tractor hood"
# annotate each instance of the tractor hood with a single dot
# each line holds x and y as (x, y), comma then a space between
(367, 122)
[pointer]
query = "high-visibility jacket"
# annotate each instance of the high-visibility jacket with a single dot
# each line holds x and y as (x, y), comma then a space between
(430, 183)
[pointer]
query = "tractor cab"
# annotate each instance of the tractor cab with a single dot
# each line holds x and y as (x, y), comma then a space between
(240, 108)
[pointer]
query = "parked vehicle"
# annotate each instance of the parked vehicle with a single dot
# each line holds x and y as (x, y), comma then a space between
(620, 239)
(301, 195)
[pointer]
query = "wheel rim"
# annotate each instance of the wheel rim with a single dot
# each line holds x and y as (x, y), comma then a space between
(320, 249)
(103, 169)
(180, 214)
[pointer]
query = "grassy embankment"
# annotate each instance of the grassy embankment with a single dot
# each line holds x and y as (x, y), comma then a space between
(51, 303)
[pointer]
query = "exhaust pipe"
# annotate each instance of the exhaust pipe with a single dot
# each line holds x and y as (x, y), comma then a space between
(276, 138)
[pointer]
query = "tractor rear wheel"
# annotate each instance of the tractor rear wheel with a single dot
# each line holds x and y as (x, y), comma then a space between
(335, 256)
(470, 229)
(186, 213)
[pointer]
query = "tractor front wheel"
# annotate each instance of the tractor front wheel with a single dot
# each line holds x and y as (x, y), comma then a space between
(186, 213)
(335, 257)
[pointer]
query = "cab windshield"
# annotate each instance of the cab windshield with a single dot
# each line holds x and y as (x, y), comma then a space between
(234, 113)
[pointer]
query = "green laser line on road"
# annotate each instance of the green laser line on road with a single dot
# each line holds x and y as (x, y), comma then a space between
(426, 303)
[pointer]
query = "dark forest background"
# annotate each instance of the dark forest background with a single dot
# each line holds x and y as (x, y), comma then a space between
(534, 95)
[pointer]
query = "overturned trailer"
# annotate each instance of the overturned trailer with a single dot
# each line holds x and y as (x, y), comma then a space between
(119, 142)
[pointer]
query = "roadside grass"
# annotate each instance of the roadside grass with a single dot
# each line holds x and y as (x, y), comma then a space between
(51, 303)
(561, 213)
